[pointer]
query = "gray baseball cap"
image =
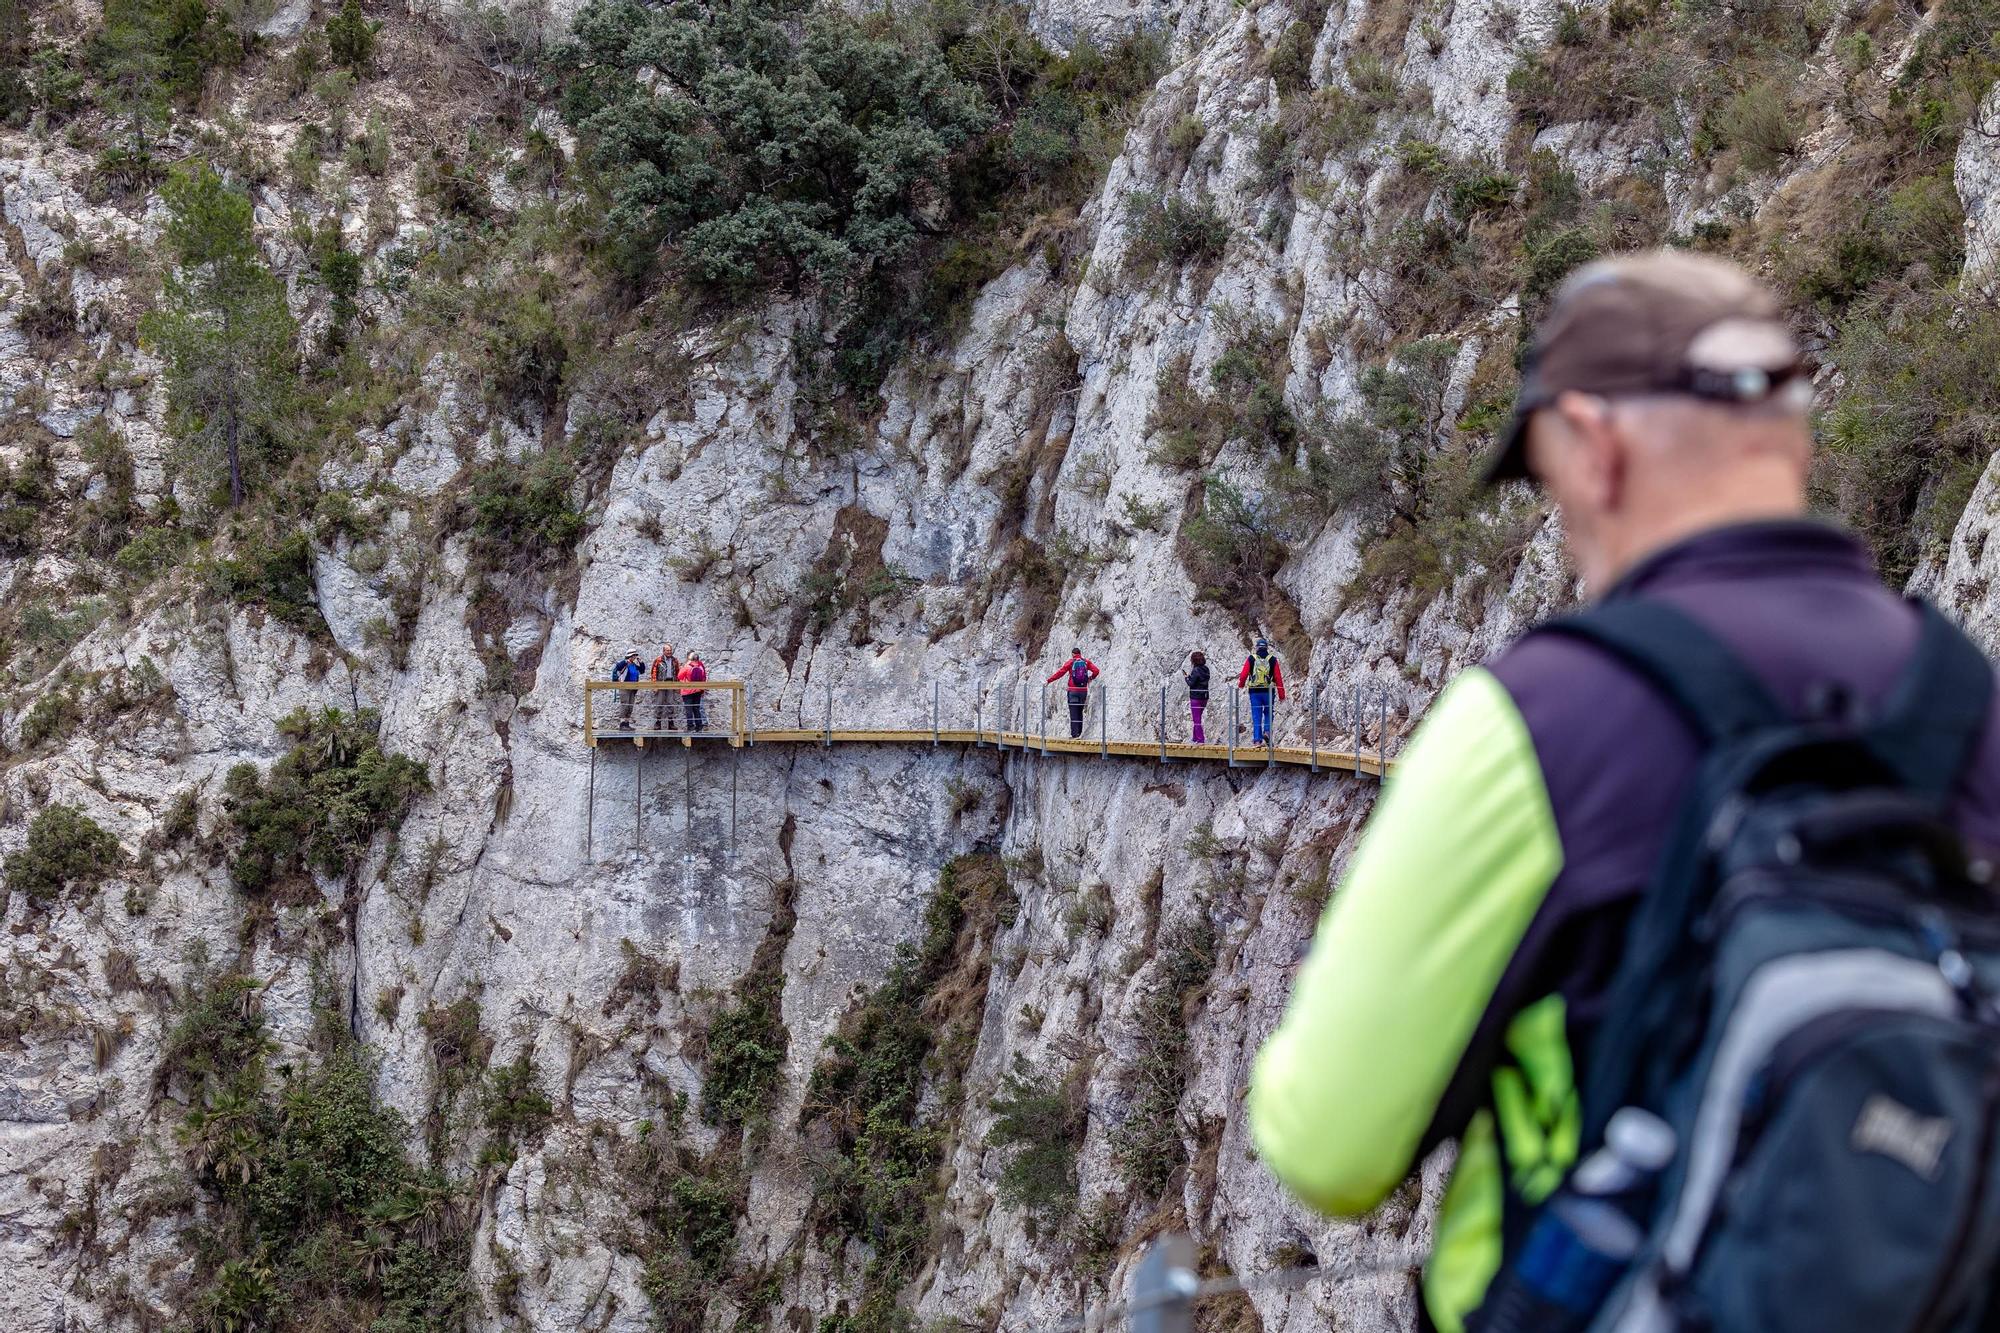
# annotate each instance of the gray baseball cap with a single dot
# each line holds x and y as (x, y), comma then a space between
(1662, 321)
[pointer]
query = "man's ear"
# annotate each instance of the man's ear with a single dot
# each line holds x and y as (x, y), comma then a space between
(1596, 455)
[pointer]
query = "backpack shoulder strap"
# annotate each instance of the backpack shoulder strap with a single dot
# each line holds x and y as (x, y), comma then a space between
(1936, 714)
(1703, 678)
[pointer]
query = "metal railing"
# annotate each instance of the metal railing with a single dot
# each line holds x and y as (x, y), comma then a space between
(643, 710)
(1167, 1285)
(1018, 713)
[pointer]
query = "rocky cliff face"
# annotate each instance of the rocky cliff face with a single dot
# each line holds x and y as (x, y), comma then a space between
(554, 962)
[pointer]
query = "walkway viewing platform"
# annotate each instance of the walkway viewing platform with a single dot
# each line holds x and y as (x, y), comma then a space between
(1023, 720)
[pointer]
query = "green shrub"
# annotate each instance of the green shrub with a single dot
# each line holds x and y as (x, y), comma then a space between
(275, 574)
(879, 1182)
(66, 850)
(523, 517)
(1761, 121)
(1913, 424)
(27, 489)
(517, 1110)
(746, 1052)
(1147, 1143)
(158, 547)
(527, 355)
(312, 1208)
(350, 37)
(1171, 229)
(55, 714)
(321, 805)
(1040, 1126)
(225, 332)
(770, 150)
(1291, 58)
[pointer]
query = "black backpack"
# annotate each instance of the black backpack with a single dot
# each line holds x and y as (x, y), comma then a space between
(1808, 998)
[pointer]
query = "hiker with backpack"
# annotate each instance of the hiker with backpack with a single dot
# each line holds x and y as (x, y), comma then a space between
(1676, 914)
(693, 669)
(1080, 671)
(1261, 674)
(627, 671)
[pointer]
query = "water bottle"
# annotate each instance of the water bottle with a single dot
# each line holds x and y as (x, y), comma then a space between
(1586, 1236)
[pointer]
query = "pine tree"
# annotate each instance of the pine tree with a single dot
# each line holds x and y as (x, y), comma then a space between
(223, 329)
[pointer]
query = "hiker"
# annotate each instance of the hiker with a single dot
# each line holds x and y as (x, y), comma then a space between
(693, 669)
(1081, 671)
(666, 704)
(1524, 953)
(1197, 688)
(627, 670)
(1261, 674)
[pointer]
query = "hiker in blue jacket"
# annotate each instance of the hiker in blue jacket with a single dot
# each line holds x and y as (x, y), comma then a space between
(628, 670)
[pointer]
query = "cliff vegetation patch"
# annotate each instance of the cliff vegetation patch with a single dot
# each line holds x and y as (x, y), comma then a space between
(314, 1215)
(319, 807)
(883, 1104)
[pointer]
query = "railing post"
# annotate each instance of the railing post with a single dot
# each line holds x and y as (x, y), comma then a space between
(1312, 729)
(1163, 722)
(1164, 1288)
(1271, 728)
(1103, 715)
(978, 719)
(1382, 741)
(1233, 693)
(1357, 729)
(1045, 721)
(749, 713)
(589, 723)
(934, 714)
(826, 743)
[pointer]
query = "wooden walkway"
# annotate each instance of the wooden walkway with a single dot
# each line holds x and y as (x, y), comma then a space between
(728, 722)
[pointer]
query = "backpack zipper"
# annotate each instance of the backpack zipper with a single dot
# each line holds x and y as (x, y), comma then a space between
(1934, 1317)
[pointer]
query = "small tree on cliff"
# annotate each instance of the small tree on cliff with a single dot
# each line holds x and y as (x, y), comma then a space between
(223, 329)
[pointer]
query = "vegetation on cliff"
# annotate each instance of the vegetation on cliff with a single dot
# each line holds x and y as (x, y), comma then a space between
(314, 1216)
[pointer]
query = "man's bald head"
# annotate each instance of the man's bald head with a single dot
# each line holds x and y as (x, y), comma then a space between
(1664, 395)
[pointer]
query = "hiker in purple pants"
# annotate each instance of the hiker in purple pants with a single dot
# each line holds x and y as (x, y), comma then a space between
(1197, 688)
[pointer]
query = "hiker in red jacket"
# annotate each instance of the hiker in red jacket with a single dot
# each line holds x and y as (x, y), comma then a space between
(1081, 671)
(1262, 674)
(691, 670)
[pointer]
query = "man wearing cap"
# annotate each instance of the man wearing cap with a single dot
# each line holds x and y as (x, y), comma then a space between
(1460, 969)
(627, 671)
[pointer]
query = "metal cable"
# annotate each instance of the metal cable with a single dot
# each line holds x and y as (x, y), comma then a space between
(1277, 1279)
